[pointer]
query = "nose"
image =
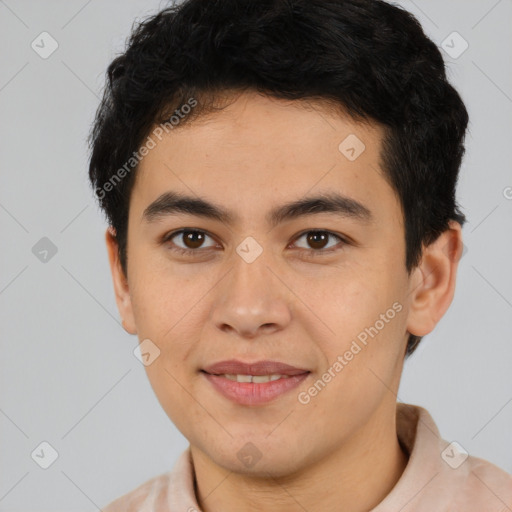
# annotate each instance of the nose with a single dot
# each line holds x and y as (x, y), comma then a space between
(251, 300)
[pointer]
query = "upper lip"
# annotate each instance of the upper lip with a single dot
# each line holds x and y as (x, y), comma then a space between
(235, 367)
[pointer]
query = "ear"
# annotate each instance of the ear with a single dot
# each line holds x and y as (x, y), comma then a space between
(123, 299)
(432, 283)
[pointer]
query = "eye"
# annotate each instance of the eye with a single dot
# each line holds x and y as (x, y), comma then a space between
(318, 241)
(192, 240)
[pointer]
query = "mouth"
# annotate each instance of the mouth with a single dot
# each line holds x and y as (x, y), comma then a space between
(253, 383)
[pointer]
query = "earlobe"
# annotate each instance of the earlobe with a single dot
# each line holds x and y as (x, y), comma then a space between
(120, 282)
(432, 283)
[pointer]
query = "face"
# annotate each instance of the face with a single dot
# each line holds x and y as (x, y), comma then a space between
(320, 286)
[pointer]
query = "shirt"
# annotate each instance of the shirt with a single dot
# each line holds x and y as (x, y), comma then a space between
(439, 477)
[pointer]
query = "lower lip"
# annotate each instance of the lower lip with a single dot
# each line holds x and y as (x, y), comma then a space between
(249, 393)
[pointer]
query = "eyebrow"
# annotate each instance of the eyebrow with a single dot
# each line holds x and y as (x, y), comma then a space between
(172, 203)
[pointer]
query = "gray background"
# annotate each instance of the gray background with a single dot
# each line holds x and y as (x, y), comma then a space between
(68, 375)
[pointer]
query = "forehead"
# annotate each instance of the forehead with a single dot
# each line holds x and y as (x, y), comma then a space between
(260, 151)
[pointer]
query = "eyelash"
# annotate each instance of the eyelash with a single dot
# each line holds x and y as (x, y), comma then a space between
(312, 252)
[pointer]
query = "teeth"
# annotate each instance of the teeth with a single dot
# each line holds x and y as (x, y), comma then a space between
(261, 378)
(257, 379)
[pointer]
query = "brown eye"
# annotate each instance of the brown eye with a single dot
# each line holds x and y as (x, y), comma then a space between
(189, 240)
(316, 241)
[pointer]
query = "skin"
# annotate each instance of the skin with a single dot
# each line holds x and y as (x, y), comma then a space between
(339, 451)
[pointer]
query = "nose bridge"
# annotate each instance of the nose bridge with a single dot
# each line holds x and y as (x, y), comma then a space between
(250, 277)
(251, 298)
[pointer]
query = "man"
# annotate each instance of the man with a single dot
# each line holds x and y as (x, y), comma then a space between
(279, 181)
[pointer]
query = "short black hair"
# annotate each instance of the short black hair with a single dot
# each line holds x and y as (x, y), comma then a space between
(368, 58)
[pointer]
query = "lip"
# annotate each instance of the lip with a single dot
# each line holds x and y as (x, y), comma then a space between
(233, 366)
(249, 393)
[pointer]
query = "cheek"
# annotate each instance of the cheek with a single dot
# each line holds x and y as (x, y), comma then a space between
(167, 316)
(165, 312)
(163, 299)
(366, 316)
(349, 300)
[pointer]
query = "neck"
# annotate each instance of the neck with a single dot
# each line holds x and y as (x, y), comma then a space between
(356, 477)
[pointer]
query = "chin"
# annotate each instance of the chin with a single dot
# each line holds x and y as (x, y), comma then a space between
(258, 456)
